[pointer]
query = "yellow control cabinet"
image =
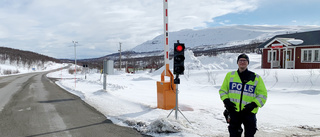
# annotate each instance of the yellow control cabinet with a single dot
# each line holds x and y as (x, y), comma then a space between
(166, 95)
(166, 91)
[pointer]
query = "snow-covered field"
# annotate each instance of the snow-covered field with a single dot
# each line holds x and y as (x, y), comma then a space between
(292, 107)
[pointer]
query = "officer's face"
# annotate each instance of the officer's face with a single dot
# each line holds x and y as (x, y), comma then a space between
(243, 63)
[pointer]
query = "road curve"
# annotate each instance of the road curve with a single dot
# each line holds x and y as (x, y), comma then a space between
(31, 105)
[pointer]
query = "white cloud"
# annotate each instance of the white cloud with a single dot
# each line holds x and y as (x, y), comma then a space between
(47, 26)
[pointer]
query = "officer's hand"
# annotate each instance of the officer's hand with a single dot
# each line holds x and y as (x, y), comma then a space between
(249, 107)
(229, 105)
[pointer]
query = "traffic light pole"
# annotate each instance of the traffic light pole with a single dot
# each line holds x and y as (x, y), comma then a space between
(176, 108)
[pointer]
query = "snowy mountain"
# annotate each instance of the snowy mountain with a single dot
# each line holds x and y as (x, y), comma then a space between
(220, 36)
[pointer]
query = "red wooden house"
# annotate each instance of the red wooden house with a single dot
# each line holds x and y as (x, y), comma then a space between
(292, 51)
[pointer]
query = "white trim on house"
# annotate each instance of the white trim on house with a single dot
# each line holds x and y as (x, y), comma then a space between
(287, 59)
(281, 40)
(310, 54)
(272, 57)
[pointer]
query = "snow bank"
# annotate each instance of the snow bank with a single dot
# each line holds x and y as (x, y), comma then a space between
(5, 66)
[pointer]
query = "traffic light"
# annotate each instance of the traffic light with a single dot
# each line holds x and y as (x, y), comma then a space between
(178, 58)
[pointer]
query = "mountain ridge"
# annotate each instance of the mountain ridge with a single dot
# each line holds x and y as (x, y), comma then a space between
(218, 37)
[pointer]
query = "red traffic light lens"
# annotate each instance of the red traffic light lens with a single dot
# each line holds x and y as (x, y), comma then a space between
(179, 48)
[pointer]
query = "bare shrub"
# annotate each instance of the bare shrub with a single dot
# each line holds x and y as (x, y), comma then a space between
(212, 77)
(15, 71)
(7, 72)
(71, 70)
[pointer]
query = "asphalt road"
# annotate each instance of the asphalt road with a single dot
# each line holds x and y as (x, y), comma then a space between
(31, 105)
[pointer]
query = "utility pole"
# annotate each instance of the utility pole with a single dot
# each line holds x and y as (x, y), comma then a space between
(75, 62)
(120, 57)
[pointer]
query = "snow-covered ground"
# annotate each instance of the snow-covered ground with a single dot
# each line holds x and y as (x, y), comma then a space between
(292, 107)
(131, 99)
(19, 68)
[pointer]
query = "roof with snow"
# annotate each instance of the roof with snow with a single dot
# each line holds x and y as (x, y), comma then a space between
(308, 38)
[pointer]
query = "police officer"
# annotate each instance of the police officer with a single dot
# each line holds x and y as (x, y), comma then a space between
(242, 93)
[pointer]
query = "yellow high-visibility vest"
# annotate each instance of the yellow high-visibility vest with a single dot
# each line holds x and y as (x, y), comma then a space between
(253, 91)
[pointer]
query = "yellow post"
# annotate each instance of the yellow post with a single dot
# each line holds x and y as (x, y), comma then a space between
(166, 90)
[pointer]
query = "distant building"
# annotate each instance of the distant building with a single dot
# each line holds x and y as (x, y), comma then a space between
(292, 51)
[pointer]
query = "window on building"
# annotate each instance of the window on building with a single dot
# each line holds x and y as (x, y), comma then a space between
(272, 55)
(310, 55)
(317, 55)
(305, 55)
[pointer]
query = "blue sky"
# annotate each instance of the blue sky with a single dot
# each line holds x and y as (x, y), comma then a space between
(275, 12)
(49, 26)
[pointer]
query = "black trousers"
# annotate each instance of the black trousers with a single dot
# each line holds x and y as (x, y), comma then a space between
(248, 120)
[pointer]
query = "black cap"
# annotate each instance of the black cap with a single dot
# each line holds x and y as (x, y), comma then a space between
(243, 56)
